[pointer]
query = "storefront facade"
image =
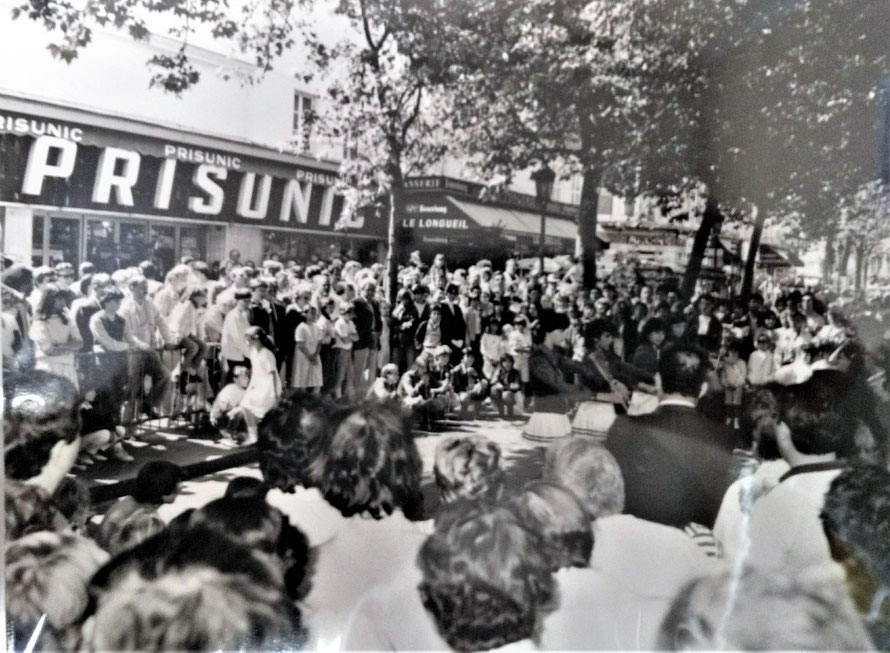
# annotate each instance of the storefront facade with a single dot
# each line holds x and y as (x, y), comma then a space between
(78, 186)
(460, 218)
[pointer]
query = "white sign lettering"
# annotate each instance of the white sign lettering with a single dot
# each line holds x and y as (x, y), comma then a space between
(107, 178)
(247, 208)
(40, 128)
(164, 188)
(202, 179)
(296, 199)
(39, 167)
(193, 155)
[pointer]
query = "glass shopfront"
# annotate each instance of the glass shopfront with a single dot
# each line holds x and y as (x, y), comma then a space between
(55, 239)
(307, 248)
(111, 244)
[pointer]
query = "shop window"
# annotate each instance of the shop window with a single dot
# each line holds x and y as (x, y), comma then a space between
(162, 239)
(64, 241)
(101, 249)
(191, 242)
(37, 230)
(132, 243)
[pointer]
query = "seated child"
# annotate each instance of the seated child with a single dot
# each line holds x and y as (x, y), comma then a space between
(386, 386)
(442, 395)
(506, 387)
(414, 386)
(471, 388)
(225, 406)
(491, 347)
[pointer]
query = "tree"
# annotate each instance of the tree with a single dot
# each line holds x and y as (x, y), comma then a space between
(380, 83)
(571, 81)
(864, 223)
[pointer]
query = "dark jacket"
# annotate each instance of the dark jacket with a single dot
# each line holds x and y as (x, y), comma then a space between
(547, 381)
(364, 323)
(676, 465)
(710, 340)
(453, 325)
(403, 325)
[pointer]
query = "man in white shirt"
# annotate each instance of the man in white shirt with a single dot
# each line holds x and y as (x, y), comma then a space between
(786, 532)
(234, 347)
(146, 323)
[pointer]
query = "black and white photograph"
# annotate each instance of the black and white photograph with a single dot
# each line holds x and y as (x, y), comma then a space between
(445, 325)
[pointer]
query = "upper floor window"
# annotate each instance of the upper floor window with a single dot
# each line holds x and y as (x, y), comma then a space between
(303, 119)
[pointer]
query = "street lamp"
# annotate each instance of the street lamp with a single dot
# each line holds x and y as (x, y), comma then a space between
(543, 178)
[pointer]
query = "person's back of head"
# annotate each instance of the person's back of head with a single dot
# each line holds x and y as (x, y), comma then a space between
(242, 487)
(682, 370)
(856, 519)
(810, 411)
(469, 468)
(157, 482)
(485, 577)
(137, 527)
(197, 608)
(41, 425)
(557, 515)
(290, 439)
(590, 472)
(370, 464)
(763, 611)
(48, 574)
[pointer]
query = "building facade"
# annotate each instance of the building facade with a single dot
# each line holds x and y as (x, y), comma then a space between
(79, 185)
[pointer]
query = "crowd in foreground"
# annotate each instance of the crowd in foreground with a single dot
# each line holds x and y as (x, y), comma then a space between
(739, 499)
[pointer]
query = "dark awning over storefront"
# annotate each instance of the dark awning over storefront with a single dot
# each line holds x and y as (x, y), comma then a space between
(772, 256)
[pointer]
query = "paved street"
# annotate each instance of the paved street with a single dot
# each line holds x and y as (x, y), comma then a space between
(522, 459)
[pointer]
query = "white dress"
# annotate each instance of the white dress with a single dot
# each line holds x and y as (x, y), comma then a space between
(307, 374)
(262, 394)
(53, 331)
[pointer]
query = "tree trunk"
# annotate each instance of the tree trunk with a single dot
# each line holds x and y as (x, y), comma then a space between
(753, 248)
(393, 235)
(587, 216)
(828, 262)
(846, 249)
(860, 266)
(710, 219)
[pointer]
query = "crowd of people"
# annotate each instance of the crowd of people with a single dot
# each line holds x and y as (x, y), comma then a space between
(736, 498)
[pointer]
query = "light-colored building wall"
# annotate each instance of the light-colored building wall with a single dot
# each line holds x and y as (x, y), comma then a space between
(110, 76)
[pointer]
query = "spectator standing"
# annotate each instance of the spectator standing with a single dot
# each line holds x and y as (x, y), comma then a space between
(146, 324)
(307, 371)
(675, 462)
(454, 327)
(55, 335)
(403, 326)
(234, 347)
(364, 350)
(345, 337)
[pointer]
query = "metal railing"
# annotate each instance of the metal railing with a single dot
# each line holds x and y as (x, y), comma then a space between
(125, 381)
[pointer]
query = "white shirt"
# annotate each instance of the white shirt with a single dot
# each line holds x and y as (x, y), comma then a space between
(731, 526)
(648, 559)
(234, 345)
(786, 531)
(596, 612)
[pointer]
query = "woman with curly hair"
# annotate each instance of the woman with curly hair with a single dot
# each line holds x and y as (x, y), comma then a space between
(484, 581)
(55, 335)
(360, 471)
(469, 469)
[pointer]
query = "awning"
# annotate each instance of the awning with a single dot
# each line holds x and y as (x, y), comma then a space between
(515, 221)
(772, 256)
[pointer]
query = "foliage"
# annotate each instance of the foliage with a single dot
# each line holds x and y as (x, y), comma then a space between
(262, 30)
